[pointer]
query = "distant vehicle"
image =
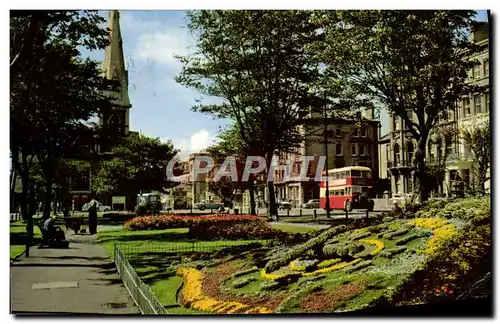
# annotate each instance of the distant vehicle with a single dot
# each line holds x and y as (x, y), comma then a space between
(148, 203)
(284, 205)
(208, 205)
(348, 188)
(100, 207)
(312, 203)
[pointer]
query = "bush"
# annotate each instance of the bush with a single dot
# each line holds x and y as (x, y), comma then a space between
(270, 285)
(360, 236)
(391, 252)
(359, 266)
(285, 258)
(378, 228)
(342, 249)
(242, 282)
(406, 239)
(399, 232)
(209, 227)
(242, 273)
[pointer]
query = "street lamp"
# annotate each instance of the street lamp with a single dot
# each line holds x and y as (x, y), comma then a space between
(325, 133)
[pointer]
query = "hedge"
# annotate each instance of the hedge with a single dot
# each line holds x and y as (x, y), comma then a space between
(399, 232)
(285, 258)
(391, 252)
(406, 239)
(242, 273)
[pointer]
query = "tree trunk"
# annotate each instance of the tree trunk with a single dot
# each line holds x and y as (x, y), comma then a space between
(251, 190)
(48, 197)
(272, 209)
(26, 215)
(420, 172)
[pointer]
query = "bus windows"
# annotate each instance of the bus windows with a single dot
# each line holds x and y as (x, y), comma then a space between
(355, 173)
(341, 192)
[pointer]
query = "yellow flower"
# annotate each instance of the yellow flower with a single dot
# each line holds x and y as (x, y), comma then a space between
(327, 263)
(270, 276)
(332, 268)
(443, 230)
(379, 244)
(192, 296)
(296, 266)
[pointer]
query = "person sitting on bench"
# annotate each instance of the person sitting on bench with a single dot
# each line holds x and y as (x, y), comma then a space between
(54, 234)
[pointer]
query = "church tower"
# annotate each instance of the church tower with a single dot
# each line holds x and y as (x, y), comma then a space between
(115, 123)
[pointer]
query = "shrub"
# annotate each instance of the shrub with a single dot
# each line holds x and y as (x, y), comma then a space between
(342, 249)
(399, 232)
(359, 266)
(270, 285)
(360, 236)
(391, 252)
(242, 273)
(328, 263)
(378, 228)
(406, 239)
(242, 282)
(285, 258)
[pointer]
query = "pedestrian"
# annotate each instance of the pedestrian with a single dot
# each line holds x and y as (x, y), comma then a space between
(93, 216)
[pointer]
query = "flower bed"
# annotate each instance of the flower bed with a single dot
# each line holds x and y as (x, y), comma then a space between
(443, 230)
(192, 296)
(379, 244)
(209, 227)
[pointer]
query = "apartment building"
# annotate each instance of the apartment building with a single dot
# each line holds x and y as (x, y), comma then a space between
(350, 143)
(471, 111)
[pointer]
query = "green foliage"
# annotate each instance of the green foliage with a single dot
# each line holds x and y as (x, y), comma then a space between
(139, 162)
(359, 266)
(406, 239)
(244, 272)
(475, 210)
(406, 60)
(242, 282)
(285, 258)
(388, 253)
(394, 234)
(479, 141)
(360, 236)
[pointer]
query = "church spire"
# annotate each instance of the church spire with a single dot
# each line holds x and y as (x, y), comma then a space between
(113, 67)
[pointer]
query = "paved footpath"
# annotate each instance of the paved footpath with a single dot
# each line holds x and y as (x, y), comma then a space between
(79, 280)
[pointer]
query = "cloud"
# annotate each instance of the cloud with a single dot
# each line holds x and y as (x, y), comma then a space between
(157, 41)
(198, 141)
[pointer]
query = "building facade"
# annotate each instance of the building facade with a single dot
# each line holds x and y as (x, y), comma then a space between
(447, 150)
(350, 143)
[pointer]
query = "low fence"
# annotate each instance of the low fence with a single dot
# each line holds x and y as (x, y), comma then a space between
(141, 250)
(138, 290)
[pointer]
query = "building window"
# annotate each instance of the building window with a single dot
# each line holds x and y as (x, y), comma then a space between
(477, 104)
(338, 149)
(363, 131)
(450, 113)
(477, 71)
(486, 68)
(353, 149)
(466, 106)
(338, 132)
(355, 132)
(410, 149)
(396, 154)
(449, 146)
(362, 149)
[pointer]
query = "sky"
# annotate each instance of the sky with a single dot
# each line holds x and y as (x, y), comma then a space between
(161, 107)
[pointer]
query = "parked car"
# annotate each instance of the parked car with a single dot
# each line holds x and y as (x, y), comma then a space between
(100, 207)
(283, 205)
(208, 205)
(312, 203)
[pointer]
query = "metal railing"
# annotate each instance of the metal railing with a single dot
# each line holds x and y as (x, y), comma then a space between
(145, 300)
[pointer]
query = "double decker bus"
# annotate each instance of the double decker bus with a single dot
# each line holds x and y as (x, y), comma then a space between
(349, 188)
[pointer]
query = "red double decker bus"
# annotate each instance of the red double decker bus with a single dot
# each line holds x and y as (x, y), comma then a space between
(349, 188)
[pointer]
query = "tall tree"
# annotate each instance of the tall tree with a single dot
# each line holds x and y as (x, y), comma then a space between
(139, 163)
(415, 63)
(231, 144)
(258, 64)
(52, 89)
(478, 139)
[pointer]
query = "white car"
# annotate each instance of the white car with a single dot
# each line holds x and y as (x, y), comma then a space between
(100, 207)
(312, 203)
(208, 205)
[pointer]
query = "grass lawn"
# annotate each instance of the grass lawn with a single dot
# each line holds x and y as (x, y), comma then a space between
(17, 238)
(294, 228)
(153, 252)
